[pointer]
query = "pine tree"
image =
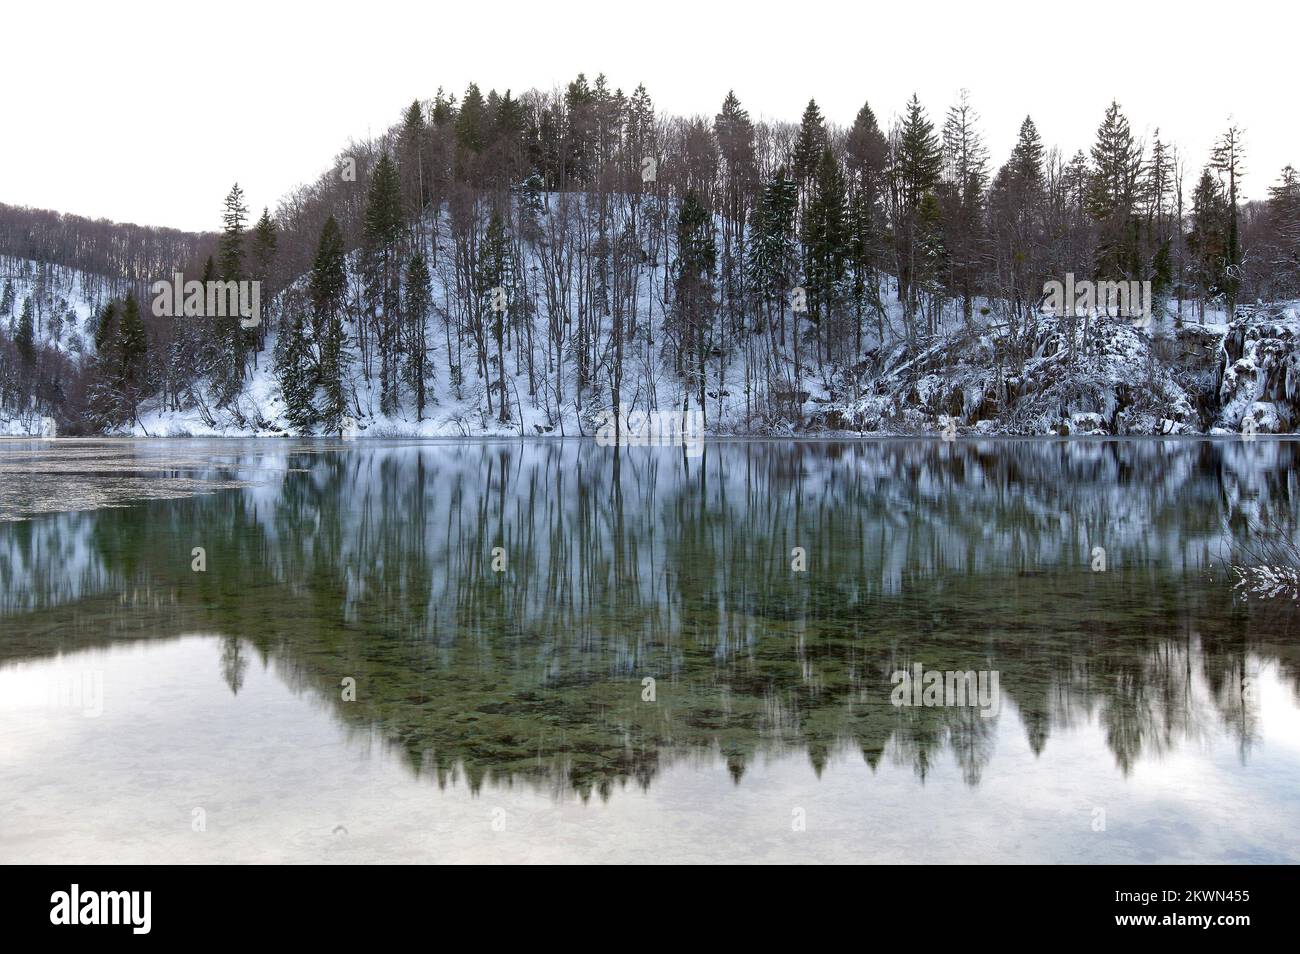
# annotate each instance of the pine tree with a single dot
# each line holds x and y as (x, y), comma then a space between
(1207, 237)
(230, 341)
(233, 217)
(1154, 192)
(25, 338)
(735, 135)
(382, 261)
(495, 297)
(1227, 161)
(773, 257)
(962, 199)
(919, 158)
(105, 331)
(472, 121)
(297, 375)
(132, 346)
(414, 166)
(1116, 162)
(105, 398)
(867, 166)
(825, 240)
(327, 292)
(810, 143)
(1284, 218)
(1026, 162)
(917, 162)
(1112, 198)
(418, 305)
(693, 285)
(265, 247)
(265, 244)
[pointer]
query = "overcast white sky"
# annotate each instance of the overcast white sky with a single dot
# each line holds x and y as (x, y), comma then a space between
(147, 111)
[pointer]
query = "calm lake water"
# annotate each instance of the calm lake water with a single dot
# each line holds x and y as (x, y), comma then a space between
(552, 651)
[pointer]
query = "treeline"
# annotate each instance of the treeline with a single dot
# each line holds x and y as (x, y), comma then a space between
(575, 249)
(102, 249)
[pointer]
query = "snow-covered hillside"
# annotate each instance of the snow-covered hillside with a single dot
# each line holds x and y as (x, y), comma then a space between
(970, 376)
(62, 303)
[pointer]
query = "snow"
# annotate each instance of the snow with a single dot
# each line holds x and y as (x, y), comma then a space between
(1118, 382)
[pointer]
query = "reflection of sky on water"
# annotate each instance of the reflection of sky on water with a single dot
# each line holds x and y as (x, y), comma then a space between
(281, 778)
(520, 692)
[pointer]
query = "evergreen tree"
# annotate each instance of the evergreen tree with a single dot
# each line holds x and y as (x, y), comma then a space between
(414, 165)
(230, 341)
(962, 200)
(132, 346)
(327, 292)
(867, 166)
(25, 338)
(105, 331)
(1116, 162)
(297, 375)
(1227, 161)
(810, 143)
(917, 162)
(105, 398)
(825, 240)
(693, 285)
(919, 158)
(1207, 239)
(495, 291)
(419, 302)
(472, 121)
(735, 135)
(1283, 211)
(1112, 197)
(265, 245)
(1026, 163)
(382, 261)
(233, 217)
(774, 254)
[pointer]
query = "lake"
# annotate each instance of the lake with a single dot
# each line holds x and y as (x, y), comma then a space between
(365, 650)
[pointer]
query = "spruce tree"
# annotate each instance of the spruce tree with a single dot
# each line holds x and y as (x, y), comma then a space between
(773, 257)
(297, 375)
(230, 341)
(382, 236)
(825, 239)
(962, 199)
(495, 279)
(327, 291)
(693, 285)
(1112, 197)
(132, 352)
(25, 337)
(917, 163)
(810, 143)
(419, 301)
(265, 248)
(1027, 159)
(1227, 161)
(413, 162)
(1283, 210)
(1116, 162)
(867, 166)
(1207, 239)
(472, 121)
(233, 217)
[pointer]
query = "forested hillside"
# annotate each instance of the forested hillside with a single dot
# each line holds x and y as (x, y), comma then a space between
(525, 264)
